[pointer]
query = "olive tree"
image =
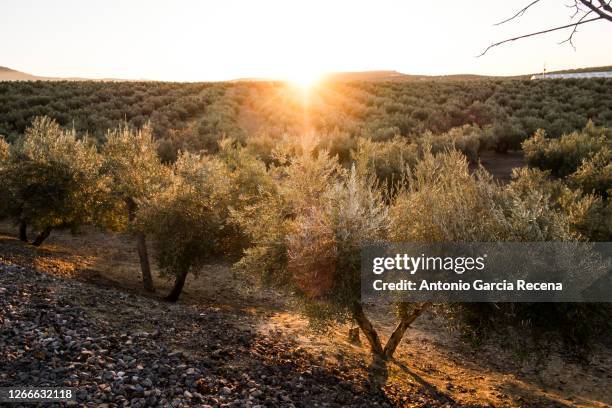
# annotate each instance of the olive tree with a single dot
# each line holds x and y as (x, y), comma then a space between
(308, 234)
(595, 173)
(324, 251)
(564, 155)
(8, 207)
(52, 180)
(131, 161)
(250, 180)
(187, 220)
(299, 182)
(444, 202)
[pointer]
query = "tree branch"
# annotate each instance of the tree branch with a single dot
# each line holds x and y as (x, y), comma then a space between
(519, 13)
(605, 6)
(539, 32)
(576, 6)
(575, 30)
(598, 10)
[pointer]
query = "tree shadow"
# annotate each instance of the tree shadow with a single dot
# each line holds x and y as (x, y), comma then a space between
(543, 374)
(529, 398)
(431, 390)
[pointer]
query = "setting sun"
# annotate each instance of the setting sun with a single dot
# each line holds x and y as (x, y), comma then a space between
(304, 79)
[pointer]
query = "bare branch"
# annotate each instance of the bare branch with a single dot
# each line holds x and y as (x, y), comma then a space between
(570, 39)
(539, 32)
(598, 10)
(606, 6)
(576, 6)
(519, 13)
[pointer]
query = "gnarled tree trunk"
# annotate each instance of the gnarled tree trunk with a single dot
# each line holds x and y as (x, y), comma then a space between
(406, 319)
(143, 255)
(173, 296)
(141, 245)
(405, 322)
(368, 330)
(23, 230)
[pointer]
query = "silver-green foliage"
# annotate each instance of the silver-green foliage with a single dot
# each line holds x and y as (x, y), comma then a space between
(187, 219)
(582, 162)
(307, 234)
(52, 178)
(131, 161)
(564, 155)
(444, 202)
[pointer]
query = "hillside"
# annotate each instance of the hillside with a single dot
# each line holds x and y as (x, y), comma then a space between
(71, 332)
(73, 312)
(580, 70)
(367, 76)
(377, 76)
(8, 74)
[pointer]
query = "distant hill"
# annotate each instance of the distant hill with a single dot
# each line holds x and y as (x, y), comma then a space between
(253, 79)
(606, 68)
(8, 74)
(398, 76)
(342, 76)
(378, 76)
(366, 76)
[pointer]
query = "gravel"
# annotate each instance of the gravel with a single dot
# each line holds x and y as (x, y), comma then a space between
(120, 350)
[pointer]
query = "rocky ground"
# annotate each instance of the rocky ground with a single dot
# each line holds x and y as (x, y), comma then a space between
(73, 313)
(119, 349)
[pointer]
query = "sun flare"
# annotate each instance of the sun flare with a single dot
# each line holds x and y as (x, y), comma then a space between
(304, 79)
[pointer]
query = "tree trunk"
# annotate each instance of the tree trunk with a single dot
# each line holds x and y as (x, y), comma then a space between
(141, 244)
(368, 330)
(502, 147)
(405, 322)
(23, 230)
(44, 234)
(173, 296)
(147, 279)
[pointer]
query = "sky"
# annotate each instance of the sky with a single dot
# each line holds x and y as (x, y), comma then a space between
(202, 40)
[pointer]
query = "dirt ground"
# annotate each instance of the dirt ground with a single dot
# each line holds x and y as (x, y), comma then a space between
(500, 165)
(431, 357)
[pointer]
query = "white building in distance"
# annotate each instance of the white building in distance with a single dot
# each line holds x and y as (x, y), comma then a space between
(601, 74)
